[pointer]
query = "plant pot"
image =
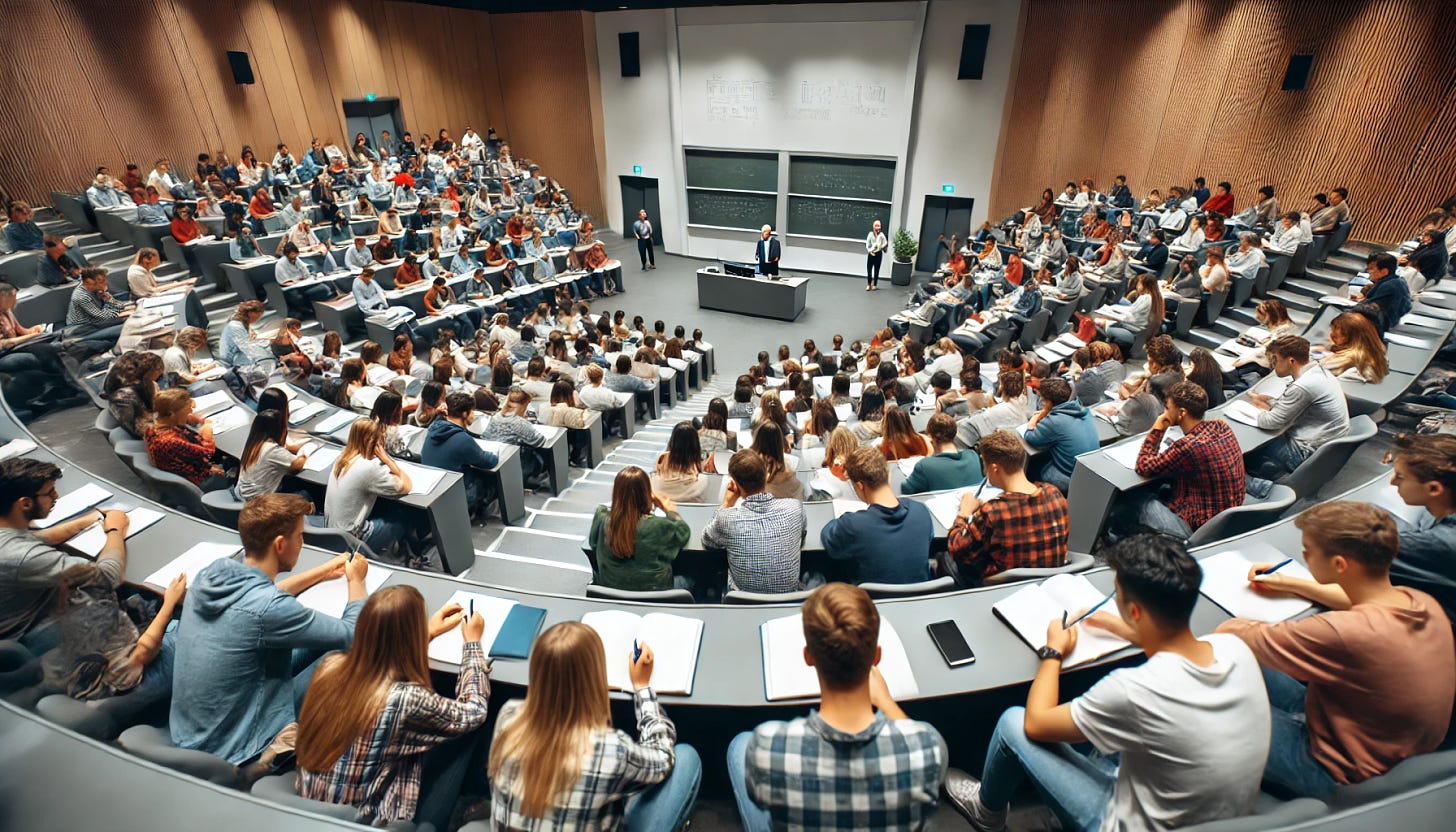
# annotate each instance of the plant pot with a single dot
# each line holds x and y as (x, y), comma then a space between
(900, 272)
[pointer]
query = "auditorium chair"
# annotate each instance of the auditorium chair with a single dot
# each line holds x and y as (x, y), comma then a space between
(1299, 261)
(1269, 813)
(1321, 467)
(279, 788)
(1213, 304)
(934, 585)
(1032, 331)
(1278, 268)
(1251, 515)
(173, 491)
(1244, 287)
(154, 744)
(1407, 776)
(743, 597)
(1076, 562)
(1061, 316)
(105, 423)
(1336, 241)
(100, 719)
(661, 596)
(20, 674)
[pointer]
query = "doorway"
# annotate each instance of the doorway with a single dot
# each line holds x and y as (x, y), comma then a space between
(371, 118)
(941, 216)
(640, 193)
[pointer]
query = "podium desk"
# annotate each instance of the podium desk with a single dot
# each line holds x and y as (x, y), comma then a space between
(757, 296)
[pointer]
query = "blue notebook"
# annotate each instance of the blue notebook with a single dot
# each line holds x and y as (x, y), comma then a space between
(518, 632)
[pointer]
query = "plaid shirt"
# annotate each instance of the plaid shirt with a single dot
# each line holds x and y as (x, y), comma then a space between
(180, 451)
(92, 309)
(379, 773)
(1206, 466)
(614, 769)
(764, 537)
(1013, 530)
(811, 775)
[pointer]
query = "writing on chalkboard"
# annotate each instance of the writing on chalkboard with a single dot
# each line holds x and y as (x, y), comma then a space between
(732, 170)
(844, 219)
(842, 177)
(729, 210)
(738, 100)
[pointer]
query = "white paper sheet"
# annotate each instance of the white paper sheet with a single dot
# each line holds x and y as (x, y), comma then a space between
(674, 639)
(332, 596)
(191, 562)
(73, 503)
(93, 539)
(449, 647)
(1226, 583)
(786, 676)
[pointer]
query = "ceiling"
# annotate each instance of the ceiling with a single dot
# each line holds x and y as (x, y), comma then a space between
(503, 6)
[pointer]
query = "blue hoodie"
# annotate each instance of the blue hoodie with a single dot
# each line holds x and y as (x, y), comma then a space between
(1068, 430)
(449, 446)
(240, 642)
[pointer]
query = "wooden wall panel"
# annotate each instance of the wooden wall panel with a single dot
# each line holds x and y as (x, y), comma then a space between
(134, 80)
(1191, 87)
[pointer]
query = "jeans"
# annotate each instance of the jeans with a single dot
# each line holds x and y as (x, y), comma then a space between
(872, 268)
(1292, 766)
(754, 817)
(42, 638)
(386, 529)
(300, 301)
(1155, 514)
(99, 340)
(1277, 458)
(1122, 337)
(1074, 781)
(155, 686)
(667, 805)
(445, 769)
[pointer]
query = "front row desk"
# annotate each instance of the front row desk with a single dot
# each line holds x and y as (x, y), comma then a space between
(757, 296)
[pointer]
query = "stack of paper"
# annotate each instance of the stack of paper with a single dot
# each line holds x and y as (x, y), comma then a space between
(93, 539)
(212, 402)
(191, 562)
(674, 639)
(230, 419)
(786, 676)
(303, 414)
(1029, 610)
(332, 596)
(323, 459)
(336, 421)
(1242, 411)
(16, 448)
(422, 479)
(1226, 583)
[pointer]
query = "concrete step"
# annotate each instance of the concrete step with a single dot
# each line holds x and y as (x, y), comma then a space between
(1295, 301)
(1303, 286)
(1203, 338)
(1332, 279)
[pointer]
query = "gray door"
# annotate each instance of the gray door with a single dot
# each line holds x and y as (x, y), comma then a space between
(640, 193)
(942, 216)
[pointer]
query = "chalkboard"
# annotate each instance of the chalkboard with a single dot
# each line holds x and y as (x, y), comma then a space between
(731, 210)
(835, 217)
(827, 176)
(733, 171)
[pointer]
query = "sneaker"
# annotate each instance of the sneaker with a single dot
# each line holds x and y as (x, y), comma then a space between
(964, 793)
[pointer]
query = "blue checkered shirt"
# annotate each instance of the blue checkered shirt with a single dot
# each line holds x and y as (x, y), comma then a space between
(764, 537)
(810, 775)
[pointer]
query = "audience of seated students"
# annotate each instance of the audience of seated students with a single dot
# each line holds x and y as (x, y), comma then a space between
(372, 731)
(887, 542)
(268, 456)
(246, 647)
(1310, 412)
(364, 472)
(1145, 309)
(1334, 212)
(1361, 687)
(1355, 349)
(762, 534)
(1387, 292)
(449, 445)
(948, 465)
(679, 471)
(635, 548)
(1189, 727)
(1272, 322)
(810, 772)
(556, 762)
(174, 446)
(1064, 427)
(1025, 526)
(93, 316)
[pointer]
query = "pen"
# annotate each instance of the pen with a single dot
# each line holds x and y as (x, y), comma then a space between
(472, 607)
(351, 558)
(1079, 618)
(636, 651)
(1276, 567)
(981, 486)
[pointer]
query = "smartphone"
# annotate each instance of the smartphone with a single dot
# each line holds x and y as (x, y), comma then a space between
(952, 645)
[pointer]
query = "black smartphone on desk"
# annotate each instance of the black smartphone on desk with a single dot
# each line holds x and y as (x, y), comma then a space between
(951, 643)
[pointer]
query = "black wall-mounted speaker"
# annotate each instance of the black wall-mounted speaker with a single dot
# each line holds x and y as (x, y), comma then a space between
(973, 52)
(627, 45)
(1296, 77)
(242, 70)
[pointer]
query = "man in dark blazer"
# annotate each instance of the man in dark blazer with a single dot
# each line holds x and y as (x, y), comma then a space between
(767, 253)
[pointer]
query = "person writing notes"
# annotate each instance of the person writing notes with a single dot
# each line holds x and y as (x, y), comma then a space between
(768, 252)
(875, 245)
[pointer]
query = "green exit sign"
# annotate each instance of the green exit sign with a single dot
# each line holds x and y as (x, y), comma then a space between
(369, 96)
(636, 168)
(947, 189)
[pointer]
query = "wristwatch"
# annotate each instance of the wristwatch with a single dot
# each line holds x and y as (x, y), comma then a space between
(1049, 653)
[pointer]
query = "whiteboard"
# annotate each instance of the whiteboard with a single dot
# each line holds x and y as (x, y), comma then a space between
(813, 87)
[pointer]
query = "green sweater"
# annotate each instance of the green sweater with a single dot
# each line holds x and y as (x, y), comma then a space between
(658, 541)
(942, 471)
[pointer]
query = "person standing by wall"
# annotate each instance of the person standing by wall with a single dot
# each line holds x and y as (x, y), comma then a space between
(875, 245)
(642, 230)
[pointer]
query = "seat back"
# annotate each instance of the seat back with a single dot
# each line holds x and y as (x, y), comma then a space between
(172, 490)
(1276, 814)
(154, 744)
(1247, 517)
(1061, 315)
(661, 596)
(278, 788)
(1407, 776)
(1076, 562)
(1339, 236)
(117, 434)
(746, 598)
(1091, 300)
(999, 343)
(1278, 268)
(223, 507)
(1300, 259)
(1243, 287)
(1213, 305)
(875, 590)
(1322, 465)
(1319, 248)
(1032, 331)
(105, 422)
(1183, 320)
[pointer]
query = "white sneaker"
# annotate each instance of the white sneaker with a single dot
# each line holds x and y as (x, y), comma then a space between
(964, 793)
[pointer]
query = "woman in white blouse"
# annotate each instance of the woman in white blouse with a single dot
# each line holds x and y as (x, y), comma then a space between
(1190, 240)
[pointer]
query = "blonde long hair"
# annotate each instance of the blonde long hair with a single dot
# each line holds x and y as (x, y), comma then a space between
(391, 642)
(366, 436)
(546, 744)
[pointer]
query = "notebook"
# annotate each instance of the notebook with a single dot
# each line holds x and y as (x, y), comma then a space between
(231, 419)
(1271, 386)
(1242, 411)
(907, 465)
(844, 506)
(308, 411)
(71, 504)
(322, 459)
(449, 646)
(1226, 583)
(332, 596)
(93, 539)
(336, 421)
(422, 479)
(212, 401)
(944, 507)
(786, 676)
(1126, 453)
(675, 641)
(1028, 611)
(191, 562)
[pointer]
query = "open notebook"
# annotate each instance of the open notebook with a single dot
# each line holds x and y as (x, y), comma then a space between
(1126, 453)
(943, 507)
(91, 540)
(332, 596)
(191, 562)
(786, 676)
(1028, 611)
(1226, 583)
(675, 642)
(510, 628)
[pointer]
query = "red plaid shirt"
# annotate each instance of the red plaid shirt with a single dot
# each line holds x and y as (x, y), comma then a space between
(1013, 530)
(1206, 467)
(181, 452)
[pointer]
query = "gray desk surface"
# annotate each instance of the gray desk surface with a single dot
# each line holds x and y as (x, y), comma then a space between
(783, 299)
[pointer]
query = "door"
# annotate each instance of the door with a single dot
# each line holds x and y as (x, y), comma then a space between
(640, 193)
(941, 216)
(371, 118)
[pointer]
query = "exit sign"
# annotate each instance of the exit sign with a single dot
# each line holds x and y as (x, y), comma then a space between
(947, 189)
(636, 168)
(369, 96)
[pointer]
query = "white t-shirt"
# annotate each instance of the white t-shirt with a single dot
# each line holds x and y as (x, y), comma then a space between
(267, 471)
(1193, 740)
(175, 360)
(350, 498)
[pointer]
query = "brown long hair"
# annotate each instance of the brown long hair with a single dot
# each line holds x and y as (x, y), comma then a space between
(631, 501)
(391, 641)
(900, 439)
(1356, 335)
(547, 742)
(365, 437)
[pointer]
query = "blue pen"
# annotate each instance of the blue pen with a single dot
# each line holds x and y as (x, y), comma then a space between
(1088, 612)
(636, 651)
(1276, 567)
(981, 486)
(472, 607)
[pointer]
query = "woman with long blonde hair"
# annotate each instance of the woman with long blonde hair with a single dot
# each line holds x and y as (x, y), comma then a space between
(557, 763)
(1355, 345)
(372, 717)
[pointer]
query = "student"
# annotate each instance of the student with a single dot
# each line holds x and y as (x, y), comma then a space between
(1065, 427)
(679, 472)
(634, 547)
(762, 535)
(1358, 689)
(1355, 350)
(1026, 526)
(246, 646)
(888, 542)
(900, 440)
(174, 447)
(813, 772)
(32, 569)
(780, 470)
(1010, 408)
(510, 426)
(556, 763)
(268, 456)
(1386, 290)
(1310, 412)
(950, 466)
(363, 473)
(449, 445)
(1205, 466)
(1424, 475)
(374, 734)
(1190, 724)
(177, 361)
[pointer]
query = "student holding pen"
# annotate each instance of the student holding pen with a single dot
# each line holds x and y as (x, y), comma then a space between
(1171, 718)
(1027, 525)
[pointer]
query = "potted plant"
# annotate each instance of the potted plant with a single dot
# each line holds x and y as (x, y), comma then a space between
(903, 266)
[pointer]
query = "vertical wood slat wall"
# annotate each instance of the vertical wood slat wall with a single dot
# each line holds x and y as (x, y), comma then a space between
(121, 81)
(1166, 90)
